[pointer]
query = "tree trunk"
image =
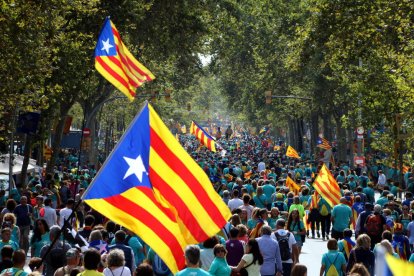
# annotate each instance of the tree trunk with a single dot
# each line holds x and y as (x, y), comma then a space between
(291, 129)
(327, 127)
(57, 139)
(341, 141)
(350, 134)
(26, 158)
(314, 129)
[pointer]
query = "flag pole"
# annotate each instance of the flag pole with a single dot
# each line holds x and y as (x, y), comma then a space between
(64, 227)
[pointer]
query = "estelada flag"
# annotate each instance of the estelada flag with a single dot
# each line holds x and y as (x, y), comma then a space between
(291, 152)
(203, 136)
(150, 185)
(327, 186)
(116, 64)
(293, 187)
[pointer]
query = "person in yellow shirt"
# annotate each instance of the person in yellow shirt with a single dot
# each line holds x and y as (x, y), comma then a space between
(297, 206)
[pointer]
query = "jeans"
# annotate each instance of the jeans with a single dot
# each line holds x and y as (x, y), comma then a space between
(325, 224)
(24, 237)
(287, 268)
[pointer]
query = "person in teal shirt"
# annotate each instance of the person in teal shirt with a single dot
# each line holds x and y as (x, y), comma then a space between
(19, 261)
(341, 177)
(192, 260)
(333, 258)
(411, 260)
(219, 266)
(394, 188)
(268, 190)
(5, 239)
(40, 237)
(383, 199)
(341, 218)
(260, 199)
(369, 192)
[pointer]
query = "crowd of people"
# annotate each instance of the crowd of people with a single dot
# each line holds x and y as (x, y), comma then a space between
(270, 222)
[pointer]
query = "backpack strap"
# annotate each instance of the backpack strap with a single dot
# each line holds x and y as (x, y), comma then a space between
(19, 272)
(332, 263)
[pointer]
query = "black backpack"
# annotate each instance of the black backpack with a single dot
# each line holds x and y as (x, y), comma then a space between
(284, 245)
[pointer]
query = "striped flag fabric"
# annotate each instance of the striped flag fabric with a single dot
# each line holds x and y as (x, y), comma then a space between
(326, 185)
(293, 187)
(116, 64)
(323, 143)
(291, 152)
(203, 136)
(150, 185)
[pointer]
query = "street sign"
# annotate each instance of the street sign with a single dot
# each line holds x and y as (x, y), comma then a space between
(359, 160)
(86, 132)
(360, 130)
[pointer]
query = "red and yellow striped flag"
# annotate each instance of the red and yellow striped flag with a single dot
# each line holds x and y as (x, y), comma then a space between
(293, 187)
(327, 186)
(152, 186)
(202, 136)
(291, 152)
(116, 64)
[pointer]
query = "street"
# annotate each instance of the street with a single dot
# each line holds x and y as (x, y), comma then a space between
(311, 255)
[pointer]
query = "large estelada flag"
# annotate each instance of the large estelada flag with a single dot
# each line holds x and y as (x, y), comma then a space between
(203, 136)
(116, 64)
(291, 152)
(152, 186)
(293, 187)
(327, 186)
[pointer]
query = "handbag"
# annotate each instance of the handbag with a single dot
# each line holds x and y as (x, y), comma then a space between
(242, 272)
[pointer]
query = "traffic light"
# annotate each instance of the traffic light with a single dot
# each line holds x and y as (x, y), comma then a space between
(168, 95)
(268, 95)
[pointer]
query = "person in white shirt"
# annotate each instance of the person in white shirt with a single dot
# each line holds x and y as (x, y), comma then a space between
(261, 166)
(66, 212)
(286, 239)
(48, 213)
(235, 202)
(382, 179)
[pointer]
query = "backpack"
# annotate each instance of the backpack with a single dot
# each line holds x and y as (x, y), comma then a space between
(332, 271)
(160, 268)
(284, 246)
(324, 210)
(373, 225)
(280, 205)
(57, 257)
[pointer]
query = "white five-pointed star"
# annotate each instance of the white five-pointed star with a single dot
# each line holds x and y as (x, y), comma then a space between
(106, 46)
(136, 166)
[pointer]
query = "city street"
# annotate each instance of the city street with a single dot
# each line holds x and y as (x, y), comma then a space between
(311, 255)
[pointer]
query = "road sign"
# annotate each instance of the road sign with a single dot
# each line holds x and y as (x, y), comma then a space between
(86, 132)
(359, 160)
(360, 130)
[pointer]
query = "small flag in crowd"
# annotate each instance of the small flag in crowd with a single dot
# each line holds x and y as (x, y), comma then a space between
(323, 143)
(203, 136)
(291, 152)
(263, 129)
(150, 185)
(293, 187)
(276, 148)
(327, 186)
(116, 64)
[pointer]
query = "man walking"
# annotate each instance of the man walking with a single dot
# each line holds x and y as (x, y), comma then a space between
(24, 214)
(270, 252)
